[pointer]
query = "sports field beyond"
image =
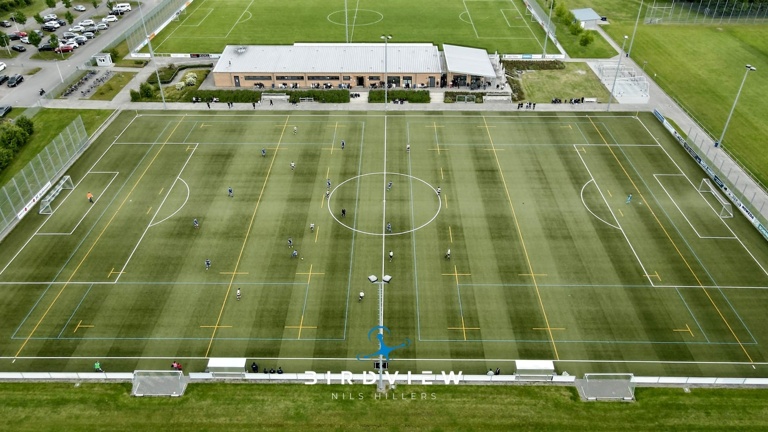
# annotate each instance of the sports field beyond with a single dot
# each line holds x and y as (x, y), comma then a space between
(549, 258)
(495, 25)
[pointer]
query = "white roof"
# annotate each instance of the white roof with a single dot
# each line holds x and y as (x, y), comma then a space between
(586, 14)
(226, 362)
(472, 61)
(534, 365)
(331, 58)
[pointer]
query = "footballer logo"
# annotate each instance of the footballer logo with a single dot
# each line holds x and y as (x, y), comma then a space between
(384, 349)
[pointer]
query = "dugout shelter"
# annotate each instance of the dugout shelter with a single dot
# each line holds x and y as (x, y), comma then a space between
(534, 370)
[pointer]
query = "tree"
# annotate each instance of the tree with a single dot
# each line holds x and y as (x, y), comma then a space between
(6, 156)
(95, 4)
(54, 40)
(51, 3)
(586, 38)
(35, 39)
(147, 90)
(67, 3)
(38, 18)
(26, 124)
(19, 17)
(69, 17)
(109, 4)
(5, 42)
(12, 136)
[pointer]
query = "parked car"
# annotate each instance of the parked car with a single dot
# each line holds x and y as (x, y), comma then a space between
(24, 40)
(5, 109)
(45, 47)
(79, 8)
(102, 26)
(15, 80)
(77, 29)
(63, 49)
(3, 78)
(89, 35)
(50, 17)
(39, 33)
(71, 42)
(5, 23)
(109, 19)
(14, 36)
(2, 66)
(19, 48)
(61, 22)
(91, 28)
(68, 35)
(113, 12)
(49, 27)
(81, 40)
(87, 22)
(52, 24)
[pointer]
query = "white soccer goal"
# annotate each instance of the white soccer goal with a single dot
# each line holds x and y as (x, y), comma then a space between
(726, 208)
(607, 386)
(158, 383)
(45, 203)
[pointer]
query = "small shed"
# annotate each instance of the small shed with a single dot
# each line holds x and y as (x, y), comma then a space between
(103, 60)
(586, 17)
(535, 370)
(226, 365)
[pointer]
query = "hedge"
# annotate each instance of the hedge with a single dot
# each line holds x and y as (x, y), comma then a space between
(450, 97)
(168, 73)
(412, 96)
(533, 64)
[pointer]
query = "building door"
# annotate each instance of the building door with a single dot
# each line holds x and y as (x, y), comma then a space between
(237, 81)
(361, 81)
(431, 81)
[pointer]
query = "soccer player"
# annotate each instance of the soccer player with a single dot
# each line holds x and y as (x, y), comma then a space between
(295, 253)
(263, 152)
(230, 192)
(238, 293)
(207, 263)
(391, 255)
(293, 165)
(389, 186)
(342, 144)
(389, 227)
(448, 254)
(360, 298)
(195, 223)
(408, 148)
(343, 212)
(438, 191)
(295, 130)
(629, 198)
(328, 183)
(327, 195)
(90, 197)
(312, 227)
(290, 242)
(97, 367)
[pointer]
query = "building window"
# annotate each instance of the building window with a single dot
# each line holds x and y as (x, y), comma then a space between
(347, 78)
(374, 78)
(323, 78)
(257, 78)
(290, 78)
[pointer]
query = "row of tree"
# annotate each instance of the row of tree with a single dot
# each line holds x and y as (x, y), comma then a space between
(13, 137)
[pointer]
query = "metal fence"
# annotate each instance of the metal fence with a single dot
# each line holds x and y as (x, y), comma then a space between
(706, 12)
(23, 191)
(151, 22)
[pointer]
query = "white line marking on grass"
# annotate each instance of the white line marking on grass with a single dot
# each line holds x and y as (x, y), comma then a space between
(527, 25)
(177, 210)
(115, 174)
(150, 225)
(469, 15)
(74, 311)
(685, 303)
(238, 19)
(656, 176)
(590, 210)
(354, 20)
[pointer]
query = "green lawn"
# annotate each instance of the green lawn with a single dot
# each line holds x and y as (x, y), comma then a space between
(242, 407)
(576, 80)
(548, 261)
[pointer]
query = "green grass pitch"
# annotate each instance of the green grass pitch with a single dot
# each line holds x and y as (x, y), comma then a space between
(495, 25)
(548, 259)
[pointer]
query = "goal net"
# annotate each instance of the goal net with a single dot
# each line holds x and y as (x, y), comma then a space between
(606, 387)
(45, 203)
(158, 383)
(726, 208)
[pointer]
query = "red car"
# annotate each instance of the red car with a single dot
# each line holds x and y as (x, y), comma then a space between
(20, 34)
(64, 49)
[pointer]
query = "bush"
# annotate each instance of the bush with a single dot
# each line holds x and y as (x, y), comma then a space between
(168, 73)
(412, 96)
(324, 96)
(451, 96)
(26, 124)
(533, 65)
(517, 89)
(135, 96)
(147, 90)
(586, 38)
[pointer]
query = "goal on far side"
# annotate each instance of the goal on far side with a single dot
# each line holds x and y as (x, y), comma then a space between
(45, 203)
(607, 387)
(726, 208)
(158, 383)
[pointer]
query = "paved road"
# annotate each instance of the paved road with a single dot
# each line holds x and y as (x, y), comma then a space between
(27, 95)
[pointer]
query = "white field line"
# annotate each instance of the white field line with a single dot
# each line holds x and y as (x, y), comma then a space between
(469, 15)
(84, 214)
(238, 19)
(533, 35)
(592, 180)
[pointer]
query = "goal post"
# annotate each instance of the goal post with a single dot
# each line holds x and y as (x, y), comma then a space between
(158, 383)
(726, 208)
(607, 387)
(45, 203)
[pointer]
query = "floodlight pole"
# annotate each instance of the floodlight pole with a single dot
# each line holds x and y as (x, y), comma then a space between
(152, 57)
(616, 77)
(637, 21)
(346, 21)
(549, 26)
(386, 78)
(750, 68)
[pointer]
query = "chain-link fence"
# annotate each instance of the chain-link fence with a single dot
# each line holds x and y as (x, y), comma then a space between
(706, 12)
(152, 22)
(23, 191)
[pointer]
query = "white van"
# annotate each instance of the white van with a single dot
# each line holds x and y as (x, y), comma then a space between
(122, 7)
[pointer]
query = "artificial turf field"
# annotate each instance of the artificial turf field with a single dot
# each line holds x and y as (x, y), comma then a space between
(495, 25)
(548, 259)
